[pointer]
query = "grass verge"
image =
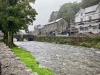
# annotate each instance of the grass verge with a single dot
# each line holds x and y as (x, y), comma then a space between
(31, 62)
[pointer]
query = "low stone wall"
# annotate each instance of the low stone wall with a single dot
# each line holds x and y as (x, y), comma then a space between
(10, 63)
(0, 68)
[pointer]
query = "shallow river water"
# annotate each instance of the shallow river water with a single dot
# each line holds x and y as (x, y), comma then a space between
(65, 59)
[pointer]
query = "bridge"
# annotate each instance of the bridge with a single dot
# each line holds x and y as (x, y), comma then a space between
(20, 37)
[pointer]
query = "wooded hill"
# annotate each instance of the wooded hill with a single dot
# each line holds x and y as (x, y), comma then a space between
(68, 10)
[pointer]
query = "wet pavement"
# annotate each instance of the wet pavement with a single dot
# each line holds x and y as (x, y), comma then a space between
(65, 59)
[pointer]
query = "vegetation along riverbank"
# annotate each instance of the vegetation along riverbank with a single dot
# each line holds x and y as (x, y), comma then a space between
(78, 41)
(31, 62)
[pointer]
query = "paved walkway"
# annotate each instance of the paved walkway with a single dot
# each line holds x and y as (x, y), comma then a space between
(65, 59)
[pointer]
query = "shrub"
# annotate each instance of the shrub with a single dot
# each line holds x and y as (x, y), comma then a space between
(85, 44)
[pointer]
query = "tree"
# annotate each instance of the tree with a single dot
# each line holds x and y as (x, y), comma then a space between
(66, 11)
(53, 16)
(15, 15)
(87, 3)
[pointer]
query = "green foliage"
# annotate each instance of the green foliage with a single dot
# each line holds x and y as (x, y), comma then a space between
(31, 62)
(85, 44)
(66, 11)
(53, 16)
(78, 41)
(87, 3)
(15, 15)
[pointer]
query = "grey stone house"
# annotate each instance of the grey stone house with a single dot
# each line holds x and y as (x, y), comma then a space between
(36, 30)
(57, 27)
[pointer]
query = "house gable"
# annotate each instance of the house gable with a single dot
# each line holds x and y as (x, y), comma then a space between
(91, 9)
(88, 13)
(80, 11)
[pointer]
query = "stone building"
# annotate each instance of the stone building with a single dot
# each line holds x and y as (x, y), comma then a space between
(36, 30)
(57, 27)
(88, 19)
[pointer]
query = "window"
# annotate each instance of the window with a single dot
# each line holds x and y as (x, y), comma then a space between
(95, 27)
(81, 14)
(83, 28)
(90, 17)
(81, 19)
(90, 26)
(99, 26)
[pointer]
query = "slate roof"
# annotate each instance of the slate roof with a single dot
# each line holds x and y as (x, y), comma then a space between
(54, 21)
(41, 26)
(88, 9)
(91, 9)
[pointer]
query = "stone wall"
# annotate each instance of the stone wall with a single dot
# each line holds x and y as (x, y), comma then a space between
(0, 68)
(11, 64)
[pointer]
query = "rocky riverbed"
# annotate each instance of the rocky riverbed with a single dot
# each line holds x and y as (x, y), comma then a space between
(65, 59)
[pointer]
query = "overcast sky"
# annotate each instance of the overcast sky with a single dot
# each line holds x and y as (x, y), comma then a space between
(44, 8)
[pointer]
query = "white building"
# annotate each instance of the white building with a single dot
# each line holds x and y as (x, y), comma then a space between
(88, 20)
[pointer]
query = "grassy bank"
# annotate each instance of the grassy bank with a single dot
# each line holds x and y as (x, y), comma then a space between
(78, 41)
(31, 62)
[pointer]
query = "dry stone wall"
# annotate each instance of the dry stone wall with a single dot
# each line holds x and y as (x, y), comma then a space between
(10, 63)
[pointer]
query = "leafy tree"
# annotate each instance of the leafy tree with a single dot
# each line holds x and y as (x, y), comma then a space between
(87, 3)
(66, 11)
(53, 16)
(14, 16)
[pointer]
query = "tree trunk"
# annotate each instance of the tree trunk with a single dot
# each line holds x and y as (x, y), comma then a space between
(5, 39)
(11, 39)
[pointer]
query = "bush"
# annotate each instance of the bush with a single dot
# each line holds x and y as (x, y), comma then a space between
(85, 44)
(79, 41)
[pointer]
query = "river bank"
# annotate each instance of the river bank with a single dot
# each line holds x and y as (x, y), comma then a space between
(91, 42)
(31, 62)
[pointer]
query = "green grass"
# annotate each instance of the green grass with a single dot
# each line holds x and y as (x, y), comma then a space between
(31, 62)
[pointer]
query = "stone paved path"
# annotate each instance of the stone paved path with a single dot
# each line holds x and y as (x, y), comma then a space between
(65, 59)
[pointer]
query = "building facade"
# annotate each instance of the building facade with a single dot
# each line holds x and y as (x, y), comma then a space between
(56, 27)
(36, 30)
(88, 20)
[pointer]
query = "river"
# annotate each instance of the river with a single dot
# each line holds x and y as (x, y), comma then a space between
(64, 59)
